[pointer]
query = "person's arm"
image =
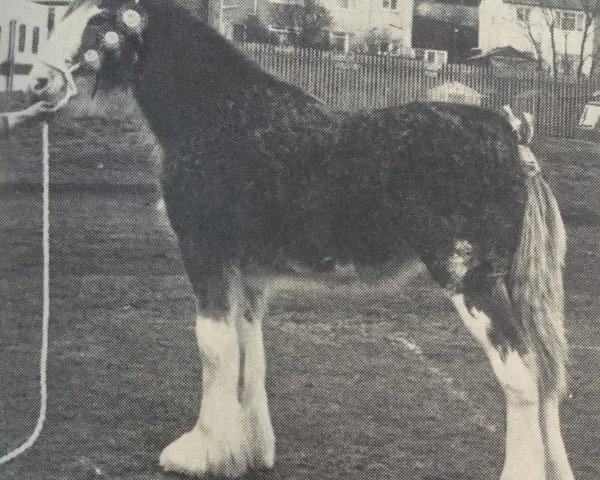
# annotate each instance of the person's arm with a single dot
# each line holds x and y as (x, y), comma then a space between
(9, 121)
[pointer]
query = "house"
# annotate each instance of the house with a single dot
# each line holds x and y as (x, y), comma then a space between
(446, 25)
(551, 30)
(388, 23)
(24, 28)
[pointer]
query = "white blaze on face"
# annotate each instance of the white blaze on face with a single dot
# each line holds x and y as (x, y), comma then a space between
(60, 52)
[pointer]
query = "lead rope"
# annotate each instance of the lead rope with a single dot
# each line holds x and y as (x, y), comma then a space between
(46, 302)
(71, 90)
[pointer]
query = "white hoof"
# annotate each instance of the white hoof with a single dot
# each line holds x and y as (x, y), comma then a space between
(199, 453)
(260, 438)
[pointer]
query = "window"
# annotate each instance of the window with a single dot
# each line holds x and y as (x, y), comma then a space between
(523, 13)
(390, 4)
(340, 42)
(22, 37)
(51, 19)
(35, 40)
(281, 35)
(569, 21)
(432, 57)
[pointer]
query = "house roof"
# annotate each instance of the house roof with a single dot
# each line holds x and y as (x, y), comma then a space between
(502, 52)
(556, 4)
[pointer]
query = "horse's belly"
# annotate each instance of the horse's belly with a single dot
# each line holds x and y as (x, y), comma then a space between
(292, 275)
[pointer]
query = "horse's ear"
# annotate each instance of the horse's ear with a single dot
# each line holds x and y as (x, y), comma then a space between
(526, 128)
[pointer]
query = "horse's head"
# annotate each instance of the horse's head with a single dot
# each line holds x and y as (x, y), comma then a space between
(103, 35)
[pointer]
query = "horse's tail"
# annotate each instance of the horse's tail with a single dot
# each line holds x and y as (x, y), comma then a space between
(537, 276)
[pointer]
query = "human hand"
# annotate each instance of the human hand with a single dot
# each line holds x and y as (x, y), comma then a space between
(29, 115)
(36, 110)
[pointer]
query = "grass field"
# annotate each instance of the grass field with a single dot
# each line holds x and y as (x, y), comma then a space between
(363, 384)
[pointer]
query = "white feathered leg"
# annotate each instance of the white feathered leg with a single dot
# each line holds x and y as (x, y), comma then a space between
(524, 455)
(217, 444)
(557, 462)
(255, 406)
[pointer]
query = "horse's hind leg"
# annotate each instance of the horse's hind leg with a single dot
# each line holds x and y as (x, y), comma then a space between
(217, 444)
(557, 462)
(486, 310)
(253, 394)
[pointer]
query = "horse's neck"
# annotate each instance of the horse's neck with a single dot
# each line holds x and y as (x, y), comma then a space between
(191, 72)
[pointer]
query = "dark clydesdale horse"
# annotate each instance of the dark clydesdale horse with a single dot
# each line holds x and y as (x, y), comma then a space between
(261, 181)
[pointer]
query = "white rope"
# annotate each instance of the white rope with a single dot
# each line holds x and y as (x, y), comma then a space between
(46, 304)
(71, 90)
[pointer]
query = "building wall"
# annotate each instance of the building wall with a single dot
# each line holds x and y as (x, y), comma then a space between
(17, 43)
(365, 15)
(358, 20)
(223, 14)
(499, 26)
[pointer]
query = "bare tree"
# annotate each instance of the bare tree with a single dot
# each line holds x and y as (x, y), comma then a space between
(551, 20)
(550, 29)
(308, 24)
(591, 10)
(536, 41)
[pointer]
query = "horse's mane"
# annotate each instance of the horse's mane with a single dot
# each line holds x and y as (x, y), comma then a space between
(206, 50)
(76, 4)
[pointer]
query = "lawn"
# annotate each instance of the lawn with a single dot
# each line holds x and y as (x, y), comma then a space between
(363, 384)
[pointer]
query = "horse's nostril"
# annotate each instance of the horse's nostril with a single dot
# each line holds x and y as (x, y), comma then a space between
(41, 84)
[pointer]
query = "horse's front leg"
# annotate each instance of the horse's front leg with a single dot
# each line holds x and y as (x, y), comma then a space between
(253, 394)
(217, 444)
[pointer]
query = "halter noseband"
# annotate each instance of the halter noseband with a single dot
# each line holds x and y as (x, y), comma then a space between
(67, 73)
